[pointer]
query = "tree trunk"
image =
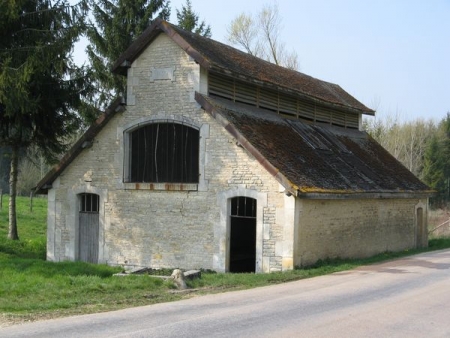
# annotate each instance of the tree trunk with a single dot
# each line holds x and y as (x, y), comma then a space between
(13, 234)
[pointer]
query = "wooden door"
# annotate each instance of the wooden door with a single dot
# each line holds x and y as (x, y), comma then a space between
(88, 228)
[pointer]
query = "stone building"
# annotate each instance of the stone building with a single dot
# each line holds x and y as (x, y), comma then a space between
(219, 160)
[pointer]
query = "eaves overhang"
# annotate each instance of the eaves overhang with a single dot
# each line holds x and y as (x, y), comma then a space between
(347, 195)
(85, 141)
(296, 93)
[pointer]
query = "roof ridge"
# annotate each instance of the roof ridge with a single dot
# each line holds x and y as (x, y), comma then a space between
(222, 58)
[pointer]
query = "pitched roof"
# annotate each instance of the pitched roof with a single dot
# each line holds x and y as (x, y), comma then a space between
(218, 57)
(308, 160)
(314, 160)
(83, 142)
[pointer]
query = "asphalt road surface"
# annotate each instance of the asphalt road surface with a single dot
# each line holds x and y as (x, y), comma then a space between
(403, 298)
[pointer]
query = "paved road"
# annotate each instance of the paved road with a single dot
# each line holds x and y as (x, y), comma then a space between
(403, 298)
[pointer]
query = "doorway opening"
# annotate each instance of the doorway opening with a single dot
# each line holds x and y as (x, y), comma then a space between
(88, 231)
(242, 234)
(421, 235)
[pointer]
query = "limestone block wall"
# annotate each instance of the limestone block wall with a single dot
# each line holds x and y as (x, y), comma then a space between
(144, 226)
(355, 228)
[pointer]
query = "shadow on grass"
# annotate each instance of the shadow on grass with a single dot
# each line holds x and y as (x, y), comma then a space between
(33, 248)
(28, 256)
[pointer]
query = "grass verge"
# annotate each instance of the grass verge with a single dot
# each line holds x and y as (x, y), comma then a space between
(32, 288)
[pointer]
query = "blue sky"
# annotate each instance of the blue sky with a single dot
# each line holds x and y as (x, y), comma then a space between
(392, 55)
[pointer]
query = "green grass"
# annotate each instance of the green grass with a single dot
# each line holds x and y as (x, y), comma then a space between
(31, 227)
(32, 288)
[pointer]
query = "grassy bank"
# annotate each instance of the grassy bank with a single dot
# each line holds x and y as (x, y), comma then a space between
(32, 288)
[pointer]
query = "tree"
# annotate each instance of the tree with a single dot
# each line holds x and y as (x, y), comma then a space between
(406, 141)
(260, 37)
(115, 26)
(32, 167)
(437, 163)
(189, 20)
(39, 85)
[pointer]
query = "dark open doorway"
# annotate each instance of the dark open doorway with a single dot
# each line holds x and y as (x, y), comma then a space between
(243, 234)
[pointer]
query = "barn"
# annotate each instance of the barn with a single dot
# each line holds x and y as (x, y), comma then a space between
(216, 159)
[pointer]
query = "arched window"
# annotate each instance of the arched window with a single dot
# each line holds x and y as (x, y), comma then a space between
(163, 152)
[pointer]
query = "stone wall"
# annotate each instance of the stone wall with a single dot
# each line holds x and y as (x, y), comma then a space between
(355, 228)
(162, 228)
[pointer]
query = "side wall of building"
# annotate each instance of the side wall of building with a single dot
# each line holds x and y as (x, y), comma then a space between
(357, 228)
(160, 225)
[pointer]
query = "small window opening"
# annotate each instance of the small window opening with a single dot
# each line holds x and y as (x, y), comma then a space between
(89, 203)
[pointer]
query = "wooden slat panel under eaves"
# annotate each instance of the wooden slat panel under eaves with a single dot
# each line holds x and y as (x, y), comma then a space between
(307, 110)
(245, 93)
(323, 115)
(288, 105)
(338, 118)
(285, 105)
(221, 86)
(268, 99)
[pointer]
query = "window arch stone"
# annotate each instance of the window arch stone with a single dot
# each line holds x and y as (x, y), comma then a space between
(129, 179)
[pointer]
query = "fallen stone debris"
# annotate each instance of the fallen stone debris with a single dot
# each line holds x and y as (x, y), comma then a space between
(178, 276)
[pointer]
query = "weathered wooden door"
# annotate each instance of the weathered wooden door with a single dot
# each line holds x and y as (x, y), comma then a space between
(88, 228)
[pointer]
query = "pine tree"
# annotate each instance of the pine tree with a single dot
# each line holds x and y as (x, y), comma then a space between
(116, 24)
(39, 85)
(189, 20)
(437, 163)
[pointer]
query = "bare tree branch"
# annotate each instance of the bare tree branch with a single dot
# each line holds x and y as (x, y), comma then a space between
(261, 37)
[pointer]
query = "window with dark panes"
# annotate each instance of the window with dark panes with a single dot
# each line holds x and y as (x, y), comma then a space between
(89, 203)
(164, 152)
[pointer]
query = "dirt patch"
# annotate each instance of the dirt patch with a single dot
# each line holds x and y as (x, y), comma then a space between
(4, 322)
(10, 320)
(18, 319)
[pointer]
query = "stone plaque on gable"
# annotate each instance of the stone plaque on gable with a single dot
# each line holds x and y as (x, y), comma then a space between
(162, 74)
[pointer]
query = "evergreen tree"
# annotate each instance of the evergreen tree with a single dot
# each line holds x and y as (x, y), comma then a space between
(116, 24)
(189, 21)
(437, 163)
(39, 85)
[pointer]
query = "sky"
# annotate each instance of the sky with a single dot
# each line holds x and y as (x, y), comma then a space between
(392, 55)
